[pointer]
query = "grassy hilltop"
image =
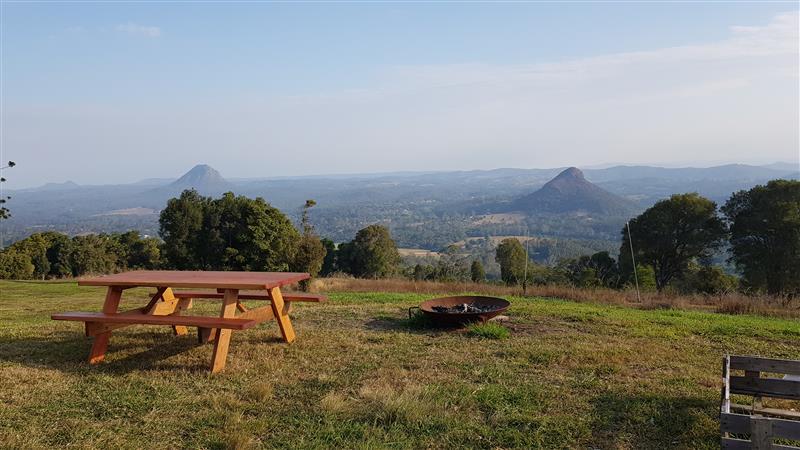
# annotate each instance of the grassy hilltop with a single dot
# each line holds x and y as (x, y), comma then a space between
(360, 375)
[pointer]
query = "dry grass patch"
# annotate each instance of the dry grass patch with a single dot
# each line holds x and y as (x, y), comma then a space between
(570, 375)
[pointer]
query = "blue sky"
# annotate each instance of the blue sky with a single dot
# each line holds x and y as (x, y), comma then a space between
(267, 89)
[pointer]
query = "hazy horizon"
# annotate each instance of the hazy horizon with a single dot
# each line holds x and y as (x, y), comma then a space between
(116, 93)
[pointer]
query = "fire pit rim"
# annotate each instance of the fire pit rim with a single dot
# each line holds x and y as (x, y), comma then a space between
(455, 318)
(427, 305)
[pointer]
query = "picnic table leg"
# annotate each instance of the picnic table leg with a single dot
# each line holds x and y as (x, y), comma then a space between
(100, 344)
(179, 305)
(287, 331)
(223, 336)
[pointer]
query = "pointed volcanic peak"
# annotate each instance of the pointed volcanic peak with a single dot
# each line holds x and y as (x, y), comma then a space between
(569, 191)
(202, 178)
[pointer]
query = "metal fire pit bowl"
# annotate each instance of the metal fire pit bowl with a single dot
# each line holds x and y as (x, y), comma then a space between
(493, 306)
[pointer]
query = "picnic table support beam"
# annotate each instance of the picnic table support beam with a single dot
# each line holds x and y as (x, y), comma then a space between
(223, 336)
(100, 344)
(281, 316)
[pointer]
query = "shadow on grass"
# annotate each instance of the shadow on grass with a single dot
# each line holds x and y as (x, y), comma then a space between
(653, 421)
(68, 351)
(415, 323)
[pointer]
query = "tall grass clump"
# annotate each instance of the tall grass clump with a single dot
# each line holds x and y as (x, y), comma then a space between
(488, 330)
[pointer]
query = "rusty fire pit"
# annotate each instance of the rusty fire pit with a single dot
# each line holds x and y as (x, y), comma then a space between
(459, 310)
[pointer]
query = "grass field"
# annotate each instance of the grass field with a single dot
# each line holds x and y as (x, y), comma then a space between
(361, 375)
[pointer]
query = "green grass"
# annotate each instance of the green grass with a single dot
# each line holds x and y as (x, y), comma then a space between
(488, 330)
(362, 375)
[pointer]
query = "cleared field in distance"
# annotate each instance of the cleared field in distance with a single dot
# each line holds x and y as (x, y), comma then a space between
(571, 374)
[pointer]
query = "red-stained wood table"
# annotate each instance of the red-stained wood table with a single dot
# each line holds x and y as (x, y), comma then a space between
(166, 305)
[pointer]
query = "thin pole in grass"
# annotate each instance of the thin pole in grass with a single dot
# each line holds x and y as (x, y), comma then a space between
(633, 261)
(525, 278)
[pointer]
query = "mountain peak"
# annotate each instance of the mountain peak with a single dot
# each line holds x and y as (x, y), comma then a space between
(570, 173)
(570, 191)
(204, 179)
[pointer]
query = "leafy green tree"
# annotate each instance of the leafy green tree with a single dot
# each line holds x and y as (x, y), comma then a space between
(710, 280)
(136, 252)
(421, 272)
(671, 234)
(329, 262)
(35, 246)
(511, 256)
(91, 255)
(4, 212)
(15, 265)
(596, 270)
(646, 277)
(765, 236)
(180, 225)
(539, 274)
(374, 253)
(477, 274)
(311, 251)
(229, 233)
(344, 257)
(59, 254)
(451, 265)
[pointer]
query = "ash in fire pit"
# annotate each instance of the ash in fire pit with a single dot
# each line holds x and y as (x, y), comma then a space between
(465, 308)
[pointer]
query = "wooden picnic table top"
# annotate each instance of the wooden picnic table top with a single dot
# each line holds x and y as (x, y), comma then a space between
(196, 279)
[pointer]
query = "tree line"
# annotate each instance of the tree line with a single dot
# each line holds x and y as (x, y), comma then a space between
(204, 233)
(671, 244)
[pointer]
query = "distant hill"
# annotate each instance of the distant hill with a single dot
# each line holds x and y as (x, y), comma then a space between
(65, 186)
(202, 178)
(569, 191)
(738, 172)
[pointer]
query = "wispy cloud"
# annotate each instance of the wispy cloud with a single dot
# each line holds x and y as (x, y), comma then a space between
(139, 30)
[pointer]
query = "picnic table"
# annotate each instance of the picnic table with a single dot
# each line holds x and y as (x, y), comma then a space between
(167, 305)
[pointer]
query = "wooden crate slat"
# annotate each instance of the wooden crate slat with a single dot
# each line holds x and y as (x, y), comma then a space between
(769, 387)
(735, 444)
(786, 429)
(748, 409)
(741, 424)
(734, 423)
(791, 367)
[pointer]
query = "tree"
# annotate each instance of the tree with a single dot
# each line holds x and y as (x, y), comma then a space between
(180, 224)
(35, 246)
(374, 253)
(15, 265)
(599, 269)
(672, 233)
(228, 233)
(765, 236)
(709, 280)
(91, 255)
(451, 265)
(59, 254)
(311, 251)
(329, 261)
(4, 212)
(511, 256)
(477, 274)
(136, 252)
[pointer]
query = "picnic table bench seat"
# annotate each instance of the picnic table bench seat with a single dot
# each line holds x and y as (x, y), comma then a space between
(147, 319)
(252, 295)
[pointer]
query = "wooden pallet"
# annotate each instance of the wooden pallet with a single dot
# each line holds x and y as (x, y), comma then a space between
(762, 425)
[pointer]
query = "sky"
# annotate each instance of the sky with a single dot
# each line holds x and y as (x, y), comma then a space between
(103, 93)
